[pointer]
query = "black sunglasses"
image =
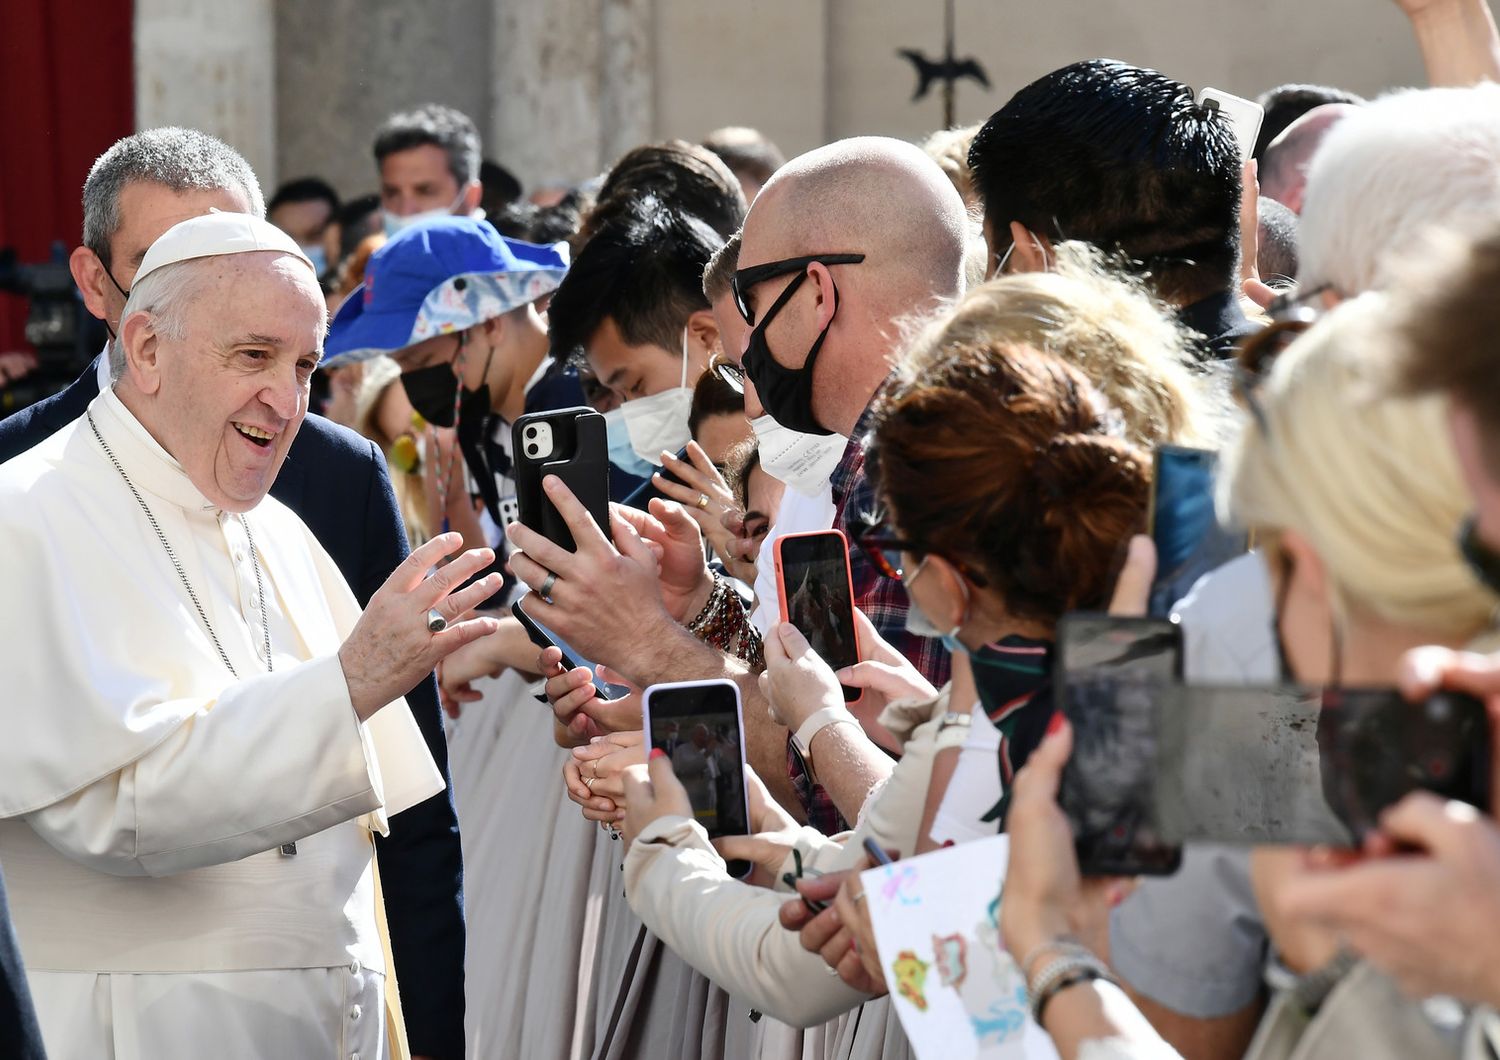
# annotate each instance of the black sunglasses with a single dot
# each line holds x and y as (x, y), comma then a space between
(745, 279)
(884, 550)
(1291, 315)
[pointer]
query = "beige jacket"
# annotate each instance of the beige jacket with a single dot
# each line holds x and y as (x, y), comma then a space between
(728, 930)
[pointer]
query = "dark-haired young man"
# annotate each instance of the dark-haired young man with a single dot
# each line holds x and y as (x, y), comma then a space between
(1123, 158)
(429, 166)
(307, 210)
(632, 309)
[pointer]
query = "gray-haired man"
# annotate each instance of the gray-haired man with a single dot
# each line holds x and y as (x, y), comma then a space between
(335, 481)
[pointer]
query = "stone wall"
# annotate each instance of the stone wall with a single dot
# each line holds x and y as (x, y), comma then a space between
(561, 87)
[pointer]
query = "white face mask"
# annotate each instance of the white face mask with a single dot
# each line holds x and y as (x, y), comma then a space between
(659, 423)
(802, 461)
(394, 223)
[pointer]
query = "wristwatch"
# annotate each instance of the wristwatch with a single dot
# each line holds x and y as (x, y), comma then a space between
(816, 722)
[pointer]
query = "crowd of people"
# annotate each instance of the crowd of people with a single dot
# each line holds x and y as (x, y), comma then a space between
(290, 775)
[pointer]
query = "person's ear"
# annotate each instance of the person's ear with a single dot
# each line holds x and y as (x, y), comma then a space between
(1032, 253)
(703, 334)
(472, 196)
(1309, 572)
(88, 274)
(825, 303)
(142, 346)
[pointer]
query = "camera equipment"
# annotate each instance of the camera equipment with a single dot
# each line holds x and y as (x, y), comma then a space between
(65, 335)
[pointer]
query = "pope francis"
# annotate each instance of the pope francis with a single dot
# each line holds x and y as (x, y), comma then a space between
(201, 728)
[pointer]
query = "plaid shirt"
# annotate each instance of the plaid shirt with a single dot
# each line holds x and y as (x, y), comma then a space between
(882, 599)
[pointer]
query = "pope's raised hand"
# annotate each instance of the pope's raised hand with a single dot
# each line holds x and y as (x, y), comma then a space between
(391, 647)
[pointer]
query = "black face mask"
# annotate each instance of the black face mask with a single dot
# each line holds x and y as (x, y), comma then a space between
(785, 393)
(1483, 560)
(432, 391)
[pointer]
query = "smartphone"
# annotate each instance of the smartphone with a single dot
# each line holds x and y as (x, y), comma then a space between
(1262, 765)
(698, 724)
(647, 491)
(817, 596)
(572, 444)
(1183, 524)
(1110, 673)
(1245, 116)
(543, 637)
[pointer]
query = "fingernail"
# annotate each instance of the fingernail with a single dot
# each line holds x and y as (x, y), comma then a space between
(657, 752)
(1055, 725)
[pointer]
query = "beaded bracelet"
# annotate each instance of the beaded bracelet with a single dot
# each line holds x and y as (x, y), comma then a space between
(1074, 968)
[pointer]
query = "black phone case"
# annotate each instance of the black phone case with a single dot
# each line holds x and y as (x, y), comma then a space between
(580, 459)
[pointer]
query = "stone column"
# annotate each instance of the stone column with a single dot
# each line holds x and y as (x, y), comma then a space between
(210, 67)
(572, 85)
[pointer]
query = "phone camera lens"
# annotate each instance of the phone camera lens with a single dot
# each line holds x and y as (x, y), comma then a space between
(531, 432)
(532, 450)
(1439, 709)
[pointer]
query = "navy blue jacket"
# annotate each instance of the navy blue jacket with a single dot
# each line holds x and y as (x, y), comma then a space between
(337, 483)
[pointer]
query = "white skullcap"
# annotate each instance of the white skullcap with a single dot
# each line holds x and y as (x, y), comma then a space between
(213, 234)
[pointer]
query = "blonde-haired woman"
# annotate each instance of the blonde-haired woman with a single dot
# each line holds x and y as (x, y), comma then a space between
(1356, 498)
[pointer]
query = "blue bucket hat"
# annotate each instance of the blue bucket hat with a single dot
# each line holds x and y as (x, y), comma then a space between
(438, 278)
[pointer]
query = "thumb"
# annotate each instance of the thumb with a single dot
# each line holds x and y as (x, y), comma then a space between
(639, 790)
(882, 677)
(1133, 587)
(630, 543)
(1425, 821)
(792, 641)
(1040, 777)
(741, 847)
(674, 518)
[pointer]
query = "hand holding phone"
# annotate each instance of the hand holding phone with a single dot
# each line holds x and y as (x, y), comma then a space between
(543, 637)
(816, 594)
(698, 726)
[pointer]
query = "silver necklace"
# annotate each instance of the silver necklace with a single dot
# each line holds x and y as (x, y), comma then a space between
(260, 589)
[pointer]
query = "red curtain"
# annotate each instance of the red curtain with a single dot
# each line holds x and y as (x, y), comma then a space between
(67, 91)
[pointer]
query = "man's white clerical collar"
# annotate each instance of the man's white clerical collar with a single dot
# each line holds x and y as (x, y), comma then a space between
(144, 460)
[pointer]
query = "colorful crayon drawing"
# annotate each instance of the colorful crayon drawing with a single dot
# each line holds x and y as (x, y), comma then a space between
(900, 880)
(951, 957)
(911, 978)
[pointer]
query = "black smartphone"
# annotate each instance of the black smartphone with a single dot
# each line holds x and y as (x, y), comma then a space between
(1183, 524)
(572, 444)
(698, 725)
(1109, 675)
(1292, 765)
(543, 637)
(817, 596)
(647, 491)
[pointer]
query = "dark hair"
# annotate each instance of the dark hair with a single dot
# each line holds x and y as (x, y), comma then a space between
(357, 218)
(1447, 317)
(306, 189)
(747, 152)
(738, 463)
(713, 397)
(1284, 104)
(1000, 458)
(501, 188)
(1277, 256)
(433, 124)
(644, 270)
(1125, 159)
(541, 224)
(684, 176)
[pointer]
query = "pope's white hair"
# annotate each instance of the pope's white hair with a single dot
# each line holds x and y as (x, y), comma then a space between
(1409, 162)
(163, 295)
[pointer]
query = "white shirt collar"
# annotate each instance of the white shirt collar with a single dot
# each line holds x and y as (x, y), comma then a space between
(149, 467)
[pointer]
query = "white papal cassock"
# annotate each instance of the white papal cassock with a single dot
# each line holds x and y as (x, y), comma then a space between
(145, 793)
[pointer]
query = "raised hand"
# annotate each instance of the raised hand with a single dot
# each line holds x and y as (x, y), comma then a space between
(391, 647)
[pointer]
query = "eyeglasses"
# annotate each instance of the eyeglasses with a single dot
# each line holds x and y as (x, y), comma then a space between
(745, 279)
(1483, 560)
(884, 550)
(1291, 315)
(728, 373)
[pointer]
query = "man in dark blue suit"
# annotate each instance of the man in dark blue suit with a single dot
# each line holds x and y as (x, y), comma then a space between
(337, 483)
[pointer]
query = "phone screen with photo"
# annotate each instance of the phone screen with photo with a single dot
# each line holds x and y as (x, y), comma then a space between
(697, 725)
(1112, 672)
(815, 581)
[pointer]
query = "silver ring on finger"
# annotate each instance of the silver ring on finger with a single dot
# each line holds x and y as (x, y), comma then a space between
(545, 592)
(436, 623)
(588, 782)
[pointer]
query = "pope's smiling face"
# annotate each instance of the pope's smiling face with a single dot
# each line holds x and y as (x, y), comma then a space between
(226, 391)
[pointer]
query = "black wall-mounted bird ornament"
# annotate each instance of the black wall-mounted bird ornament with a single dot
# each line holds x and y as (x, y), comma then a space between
(948, 70)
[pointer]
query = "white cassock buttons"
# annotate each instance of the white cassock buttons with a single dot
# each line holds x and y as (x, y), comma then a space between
(354, 1013)
(354, 967)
